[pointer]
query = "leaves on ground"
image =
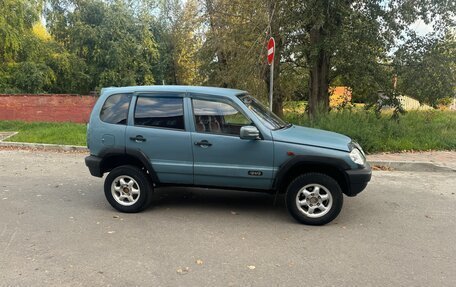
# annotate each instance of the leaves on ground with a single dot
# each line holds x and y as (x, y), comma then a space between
(183, 271)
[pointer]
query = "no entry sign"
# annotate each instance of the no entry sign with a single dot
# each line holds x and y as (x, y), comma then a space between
(271, 50)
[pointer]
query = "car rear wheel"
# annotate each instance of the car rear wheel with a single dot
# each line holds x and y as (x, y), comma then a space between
(314, 198)
(128, 189)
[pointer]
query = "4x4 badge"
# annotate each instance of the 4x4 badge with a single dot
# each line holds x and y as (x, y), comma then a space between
(255, 173)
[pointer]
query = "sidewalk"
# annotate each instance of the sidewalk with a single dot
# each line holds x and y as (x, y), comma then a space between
(438, 158)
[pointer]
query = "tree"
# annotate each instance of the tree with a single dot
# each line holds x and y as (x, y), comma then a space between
(30, 57)
(426, 68)
(179, 41)
(342, 39)
(234, 50)
(114, 41)
(16, 20)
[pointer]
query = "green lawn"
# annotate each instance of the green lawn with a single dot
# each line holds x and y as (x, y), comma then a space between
(52, 133)
(417, 130)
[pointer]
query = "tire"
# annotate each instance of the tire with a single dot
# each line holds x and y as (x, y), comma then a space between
(314, 199)
(128, 189)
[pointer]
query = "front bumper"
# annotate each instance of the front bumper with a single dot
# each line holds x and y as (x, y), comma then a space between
(358, 179)
(94, 165)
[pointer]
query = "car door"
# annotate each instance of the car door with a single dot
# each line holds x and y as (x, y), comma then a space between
(159, 131)
(221, 157)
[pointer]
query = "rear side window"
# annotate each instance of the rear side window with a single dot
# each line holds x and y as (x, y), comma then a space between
(160, 112)
(115, 109)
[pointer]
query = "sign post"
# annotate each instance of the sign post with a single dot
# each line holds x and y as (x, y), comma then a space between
(271, 52)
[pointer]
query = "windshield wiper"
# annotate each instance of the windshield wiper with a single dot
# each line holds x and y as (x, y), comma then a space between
(286, 126)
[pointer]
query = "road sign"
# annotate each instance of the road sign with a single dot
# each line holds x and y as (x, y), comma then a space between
(271, 50)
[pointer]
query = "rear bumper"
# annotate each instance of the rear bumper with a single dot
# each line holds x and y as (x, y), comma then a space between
(94, 165)
(358, 179)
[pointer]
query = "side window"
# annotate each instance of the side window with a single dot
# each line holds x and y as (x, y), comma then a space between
(115, 109)
(160, 112)
(218, 117)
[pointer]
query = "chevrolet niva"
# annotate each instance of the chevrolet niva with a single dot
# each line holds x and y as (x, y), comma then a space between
(152, 136)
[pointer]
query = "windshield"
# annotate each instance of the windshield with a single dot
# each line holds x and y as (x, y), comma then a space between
(268, 118)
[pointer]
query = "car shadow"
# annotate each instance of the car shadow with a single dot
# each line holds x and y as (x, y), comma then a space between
(205, 200)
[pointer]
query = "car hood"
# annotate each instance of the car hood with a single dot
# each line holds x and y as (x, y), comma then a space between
(313, 137)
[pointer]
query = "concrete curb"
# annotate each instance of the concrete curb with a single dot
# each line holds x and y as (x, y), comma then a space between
(411, 166)
(47, 147)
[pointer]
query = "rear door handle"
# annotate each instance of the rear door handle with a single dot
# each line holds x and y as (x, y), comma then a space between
(138, 138)
(203, 143)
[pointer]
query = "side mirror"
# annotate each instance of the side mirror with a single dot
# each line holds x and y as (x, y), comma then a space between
(249, 133)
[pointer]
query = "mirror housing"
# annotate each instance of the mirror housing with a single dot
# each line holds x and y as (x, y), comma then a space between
(249, 133)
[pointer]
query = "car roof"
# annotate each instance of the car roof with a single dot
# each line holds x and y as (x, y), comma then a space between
(171, 88)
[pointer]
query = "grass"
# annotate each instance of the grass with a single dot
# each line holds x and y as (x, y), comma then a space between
(416, 130)
(51, 133)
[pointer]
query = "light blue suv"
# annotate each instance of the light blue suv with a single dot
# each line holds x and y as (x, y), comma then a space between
(151, 136)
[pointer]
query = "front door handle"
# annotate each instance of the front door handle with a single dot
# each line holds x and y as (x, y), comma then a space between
(203, 143)
(138, 138)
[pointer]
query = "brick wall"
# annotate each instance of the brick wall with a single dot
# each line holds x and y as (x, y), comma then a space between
(46, 107)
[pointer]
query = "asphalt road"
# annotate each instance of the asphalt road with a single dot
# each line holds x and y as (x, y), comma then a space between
(57, 229)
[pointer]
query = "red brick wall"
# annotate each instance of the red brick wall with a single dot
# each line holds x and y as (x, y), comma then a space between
(46, 107)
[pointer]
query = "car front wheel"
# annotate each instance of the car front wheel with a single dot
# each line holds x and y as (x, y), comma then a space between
(314, 198)
(127, 189)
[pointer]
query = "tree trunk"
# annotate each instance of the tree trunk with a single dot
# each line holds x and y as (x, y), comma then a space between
(277, 101)
(221, 57)
(319, 74)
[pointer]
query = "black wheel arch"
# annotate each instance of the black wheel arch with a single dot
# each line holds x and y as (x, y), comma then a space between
(112, 158)
(300, 164)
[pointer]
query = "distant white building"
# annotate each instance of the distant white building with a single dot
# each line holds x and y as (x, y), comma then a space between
(407, 103)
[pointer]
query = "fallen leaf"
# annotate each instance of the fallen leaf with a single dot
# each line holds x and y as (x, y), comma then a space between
(199, 262)
(182, 271)
(251, 267)
(115, 216)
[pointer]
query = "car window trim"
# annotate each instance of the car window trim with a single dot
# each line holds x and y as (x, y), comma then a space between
(171, 95)
(207, 97)
(129, 95)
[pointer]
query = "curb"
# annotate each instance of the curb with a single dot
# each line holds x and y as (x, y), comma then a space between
(410, 166)
(48, 147)
(38, 146)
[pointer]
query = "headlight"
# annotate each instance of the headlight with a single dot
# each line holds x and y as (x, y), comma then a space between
(357, 157)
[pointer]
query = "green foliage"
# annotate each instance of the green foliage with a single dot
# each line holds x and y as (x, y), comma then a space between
(427, 68)
(88, 44)
(16, 20)
(416, 130)
(32, 77)
(114, 41)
